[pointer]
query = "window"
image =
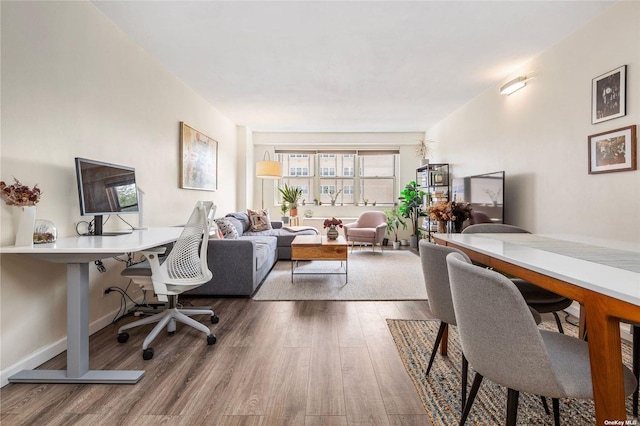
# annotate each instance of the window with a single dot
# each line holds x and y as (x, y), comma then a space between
(336, 178)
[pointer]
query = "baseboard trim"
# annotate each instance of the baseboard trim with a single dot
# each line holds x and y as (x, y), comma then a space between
(47, 352)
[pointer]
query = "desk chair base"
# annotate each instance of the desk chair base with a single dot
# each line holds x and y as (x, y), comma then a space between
(168, 318)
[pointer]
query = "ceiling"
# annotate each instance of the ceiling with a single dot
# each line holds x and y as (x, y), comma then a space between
(345, 66)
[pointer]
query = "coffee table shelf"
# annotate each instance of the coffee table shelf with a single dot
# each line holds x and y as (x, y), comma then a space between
(319, 247)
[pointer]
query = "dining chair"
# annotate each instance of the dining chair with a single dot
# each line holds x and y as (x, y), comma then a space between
(436, 278)
(540, 299)
(184, 269)
(503, 343)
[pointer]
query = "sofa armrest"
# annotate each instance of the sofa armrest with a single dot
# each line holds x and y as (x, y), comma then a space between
(276, 224)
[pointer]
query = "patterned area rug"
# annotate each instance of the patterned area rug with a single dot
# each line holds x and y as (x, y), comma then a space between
(440, 392)
(388, 275)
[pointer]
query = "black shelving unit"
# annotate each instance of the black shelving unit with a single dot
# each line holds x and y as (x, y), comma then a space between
(434, 180)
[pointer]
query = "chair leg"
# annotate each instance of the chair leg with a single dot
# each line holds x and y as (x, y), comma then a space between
(156, 330)
(465, 373)
(512, 407)
(558, 322)
(179, 316)
(143, 321)
(477, 381)
(636, 365)
(443, 326)
(544, 404)
(556, 411)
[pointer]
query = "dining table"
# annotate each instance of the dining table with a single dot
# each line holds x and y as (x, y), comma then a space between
(602, 275)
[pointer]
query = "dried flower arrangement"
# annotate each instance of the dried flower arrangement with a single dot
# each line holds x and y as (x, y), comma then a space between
(456, 212)
(332, 222)
(19, 194)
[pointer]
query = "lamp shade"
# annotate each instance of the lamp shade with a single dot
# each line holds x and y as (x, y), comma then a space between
(269, 169)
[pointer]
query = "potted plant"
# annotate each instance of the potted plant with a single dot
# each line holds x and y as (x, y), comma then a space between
(291, 195)
(444, 212)
(394, 222)
(334, 196)
(423, 149)
(411, 201)
(284, 208)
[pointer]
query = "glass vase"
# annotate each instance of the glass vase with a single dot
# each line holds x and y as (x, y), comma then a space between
(332, 233)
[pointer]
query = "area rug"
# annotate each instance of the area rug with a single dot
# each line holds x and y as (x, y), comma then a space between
(388, 275)
(440, 392)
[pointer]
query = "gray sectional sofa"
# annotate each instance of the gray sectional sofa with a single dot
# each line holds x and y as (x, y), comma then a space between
(239, 265)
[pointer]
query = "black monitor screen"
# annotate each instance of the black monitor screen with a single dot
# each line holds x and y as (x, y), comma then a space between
(484, 192)
(106, 188)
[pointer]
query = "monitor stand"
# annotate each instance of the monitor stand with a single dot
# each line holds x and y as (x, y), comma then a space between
(97, 229)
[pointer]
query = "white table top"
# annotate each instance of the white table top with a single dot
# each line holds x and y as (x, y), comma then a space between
(86, 248)
(606, 266)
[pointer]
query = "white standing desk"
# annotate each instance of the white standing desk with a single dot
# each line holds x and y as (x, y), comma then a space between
(602, 275)
(78, 253)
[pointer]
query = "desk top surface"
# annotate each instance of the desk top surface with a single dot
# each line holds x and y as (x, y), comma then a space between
(136, 241)
(606, 266)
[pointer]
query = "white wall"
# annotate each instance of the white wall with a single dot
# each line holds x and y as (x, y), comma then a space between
(74, 85)
(538, 135)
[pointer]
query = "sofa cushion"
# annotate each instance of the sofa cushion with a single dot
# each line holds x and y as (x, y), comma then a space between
(259, 220)
(229, 231)
(243, 218)
(284, 236)
(265, 247)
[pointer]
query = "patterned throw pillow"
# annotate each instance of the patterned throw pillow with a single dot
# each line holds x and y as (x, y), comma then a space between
(215, 233)
(229, 231)
(259, 219)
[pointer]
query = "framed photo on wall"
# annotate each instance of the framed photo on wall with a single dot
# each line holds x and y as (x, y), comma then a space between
(613, 151)
(609, 95)
(199, 163)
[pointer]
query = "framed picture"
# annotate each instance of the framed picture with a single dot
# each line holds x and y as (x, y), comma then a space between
(613, 151)
(199, 165)
(609, 95)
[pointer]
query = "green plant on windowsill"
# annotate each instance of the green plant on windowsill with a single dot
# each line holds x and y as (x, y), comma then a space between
(284, 208)
(290, 194)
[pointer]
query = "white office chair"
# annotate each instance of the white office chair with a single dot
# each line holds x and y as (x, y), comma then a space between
(184, 269)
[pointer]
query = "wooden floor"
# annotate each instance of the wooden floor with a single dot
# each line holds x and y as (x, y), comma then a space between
(275, 363)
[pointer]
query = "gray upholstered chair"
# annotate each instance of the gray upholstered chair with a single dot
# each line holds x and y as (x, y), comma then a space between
(492, 316)
(369, 228)
(436, 278)
(543, 301)
(184, 269)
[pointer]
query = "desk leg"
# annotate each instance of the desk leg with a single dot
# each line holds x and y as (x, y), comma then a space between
(77, 341)
(606, 363)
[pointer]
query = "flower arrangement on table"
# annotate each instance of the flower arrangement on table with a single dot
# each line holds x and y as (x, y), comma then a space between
(444, 211)
(19, 195)
(332, 222)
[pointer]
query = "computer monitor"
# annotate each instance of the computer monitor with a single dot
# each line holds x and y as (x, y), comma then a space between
(484, 192)
(105, 189)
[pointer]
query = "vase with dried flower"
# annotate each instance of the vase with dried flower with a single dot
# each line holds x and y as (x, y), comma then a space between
(443, 212)
(332, 224)
(25, 199)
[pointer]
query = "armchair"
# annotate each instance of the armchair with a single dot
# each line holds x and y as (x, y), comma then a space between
(369, 228)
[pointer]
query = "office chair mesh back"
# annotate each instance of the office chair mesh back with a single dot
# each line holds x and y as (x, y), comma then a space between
(186, 262)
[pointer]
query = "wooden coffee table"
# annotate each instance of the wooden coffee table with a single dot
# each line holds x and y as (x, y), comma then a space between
(318, 247)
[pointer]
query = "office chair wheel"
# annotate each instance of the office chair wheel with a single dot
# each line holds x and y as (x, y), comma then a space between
(211, 339)
(215, 319)
(147, 354)
(123, 337)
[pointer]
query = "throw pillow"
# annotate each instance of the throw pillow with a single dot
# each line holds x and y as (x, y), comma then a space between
(259, 219)
(229, 231)
(215, 233)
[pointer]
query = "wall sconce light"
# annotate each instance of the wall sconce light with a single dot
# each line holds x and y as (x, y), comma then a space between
(513, 85)
(268, 169)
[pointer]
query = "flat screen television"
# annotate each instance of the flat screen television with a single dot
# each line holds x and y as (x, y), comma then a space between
(105, 189)
(484, 192)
